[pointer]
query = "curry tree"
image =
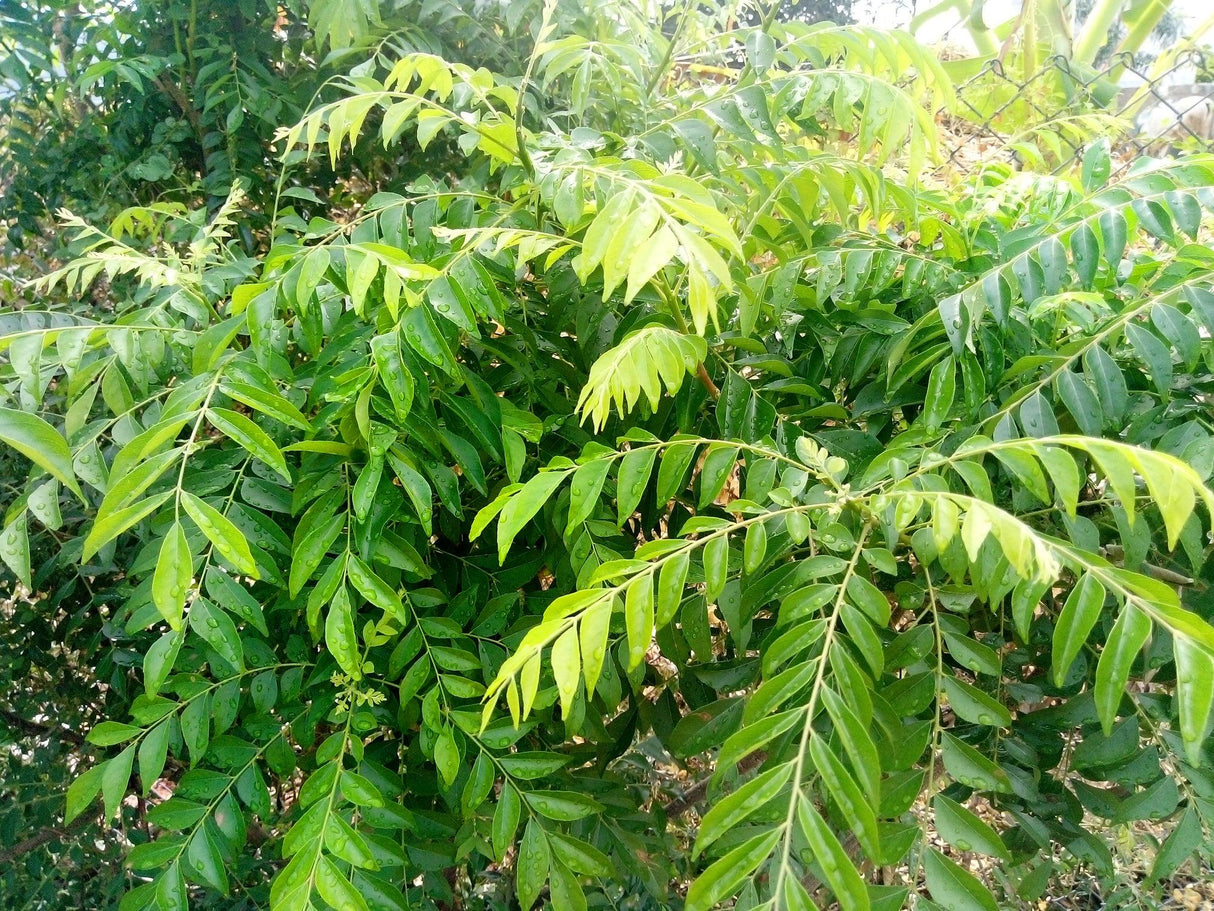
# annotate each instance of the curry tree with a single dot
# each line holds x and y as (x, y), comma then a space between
(689, 419)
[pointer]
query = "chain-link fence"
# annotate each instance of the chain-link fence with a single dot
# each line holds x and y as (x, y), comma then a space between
(1047, 117)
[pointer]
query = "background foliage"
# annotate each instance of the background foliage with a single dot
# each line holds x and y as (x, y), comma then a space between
(585, 455)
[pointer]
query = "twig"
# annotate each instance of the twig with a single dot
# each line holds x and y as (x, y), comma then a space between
(697, 792)
(38, 729)
(42, 837)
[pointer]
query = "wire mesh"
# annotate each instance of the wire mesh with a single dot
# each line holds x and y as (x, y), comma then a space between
(1053, 114)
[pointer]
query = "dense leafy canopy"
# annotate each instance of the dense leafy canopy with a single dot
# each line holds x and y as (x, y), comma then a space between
(546, 410)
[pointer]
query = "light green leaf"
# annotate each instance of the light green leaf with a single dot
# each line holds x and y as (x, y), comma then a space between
(174, 572)
(523, 506)
(953, 887)
(973, 705)
(1194, 694)
(941, 389)
(1079, 614)
(723, 877)
(1126, 639)
(221, 532)
(971, 768)
(838, 868)
(638, 616)
(340, 637)
(593, 628)
(750, 798)
(965, 831)
(566, 668)
(253, 439)
(852, 802)
(217, 629)
(534, 860)
(39, 442)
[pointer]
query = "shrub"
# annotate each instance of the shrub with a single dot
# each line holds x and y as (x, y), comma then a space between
(682, 424)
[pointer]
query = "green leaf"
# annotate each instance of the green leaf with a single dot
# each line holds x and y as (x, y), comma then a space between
(593, 628)
(268, 401)
(1194, 693)
(975, 706)
(250, 437)
(1178, 847)
(718, 466)
(564, 806)
(971, 768)
(716, 566)
(345, 843)
(221, 532)
(534, 860)
(159, 659)
(566, 668)
(217, 629)
(425, 337)
(941, 389)
(579, 856)
(523, 506)
(237, 599)
(723, 877)
(1085, 250)
(1081, 402)
(41, 444)
(15, 548)
(1037, 416)
(584, 491)
(1154, 354)
(1126, 639)
(566, 891)
(965, 831)
(83, 790)
(856, 741)
(107, 528)
(1025, 598)
(446, 757)
(1079, 614)
(115, 780)
(839, 870)
(852, 802)
(204, 861)
(340, 637)
(359, 790)
(393, 374)
(505, 819)
(635, 469)
(333, 886)
(152, 754)
(979, 658)
(108, 733)
(754, 548)
(314, 536)
(1109, 381)
(638, 616)
(174, 572)
(954, 888)
(869, 599)
(729, 812)
(375, 589)
(671, 579)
